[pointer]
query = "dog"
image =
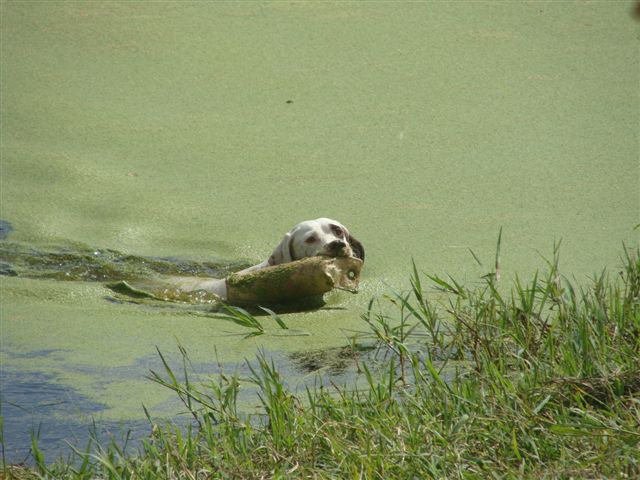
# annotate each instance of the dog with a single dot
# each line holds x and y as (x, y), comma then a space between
(319, 237)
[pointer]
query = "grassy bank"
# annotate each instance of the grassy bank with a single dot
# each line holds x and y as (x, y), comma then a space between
(536, 379)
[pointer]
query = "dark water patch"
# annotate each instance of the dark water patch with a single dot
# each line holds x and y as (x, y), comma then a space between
(36, 404)
(304, 304)
(7, 270)
(33, 354)
(5, 229)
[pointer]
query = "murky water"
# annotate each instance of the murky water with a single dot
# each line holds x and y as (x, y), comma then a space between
(197, 134)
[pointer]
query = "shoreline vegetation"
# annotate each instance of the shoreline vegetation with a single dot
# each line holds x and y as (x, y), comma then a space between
(535, 379)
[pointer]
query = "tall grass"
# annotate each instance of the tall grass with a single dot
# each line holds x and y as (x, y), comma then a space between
(539, 379)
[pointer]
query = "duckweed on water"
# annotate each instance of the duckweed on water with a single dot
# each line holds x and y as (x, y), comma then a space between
(550, 388)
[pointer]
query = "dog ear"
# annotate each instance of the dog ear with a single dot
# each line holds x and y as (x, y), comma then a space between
(282, 253)
(356, 247)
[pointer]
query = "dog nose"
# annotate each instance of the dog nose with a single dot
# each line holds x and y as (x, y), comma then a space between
(336, 245)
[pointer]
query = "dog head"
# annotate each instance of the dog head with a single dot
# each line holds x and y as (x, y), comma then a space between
(323, 236)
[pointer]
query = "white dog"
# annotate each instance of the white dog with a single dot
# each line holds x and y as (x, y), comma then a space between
(322, 236)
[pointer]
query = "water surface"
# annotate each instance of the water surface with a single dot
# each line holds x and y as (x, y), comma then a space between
(202, 132)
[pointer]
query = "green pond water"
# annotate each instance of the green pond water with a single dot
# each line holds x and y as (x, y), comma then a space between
(202, 132)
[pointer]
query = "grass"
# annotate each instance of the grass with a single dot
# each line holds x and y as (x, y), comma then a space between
(537, 380)
(242, 317)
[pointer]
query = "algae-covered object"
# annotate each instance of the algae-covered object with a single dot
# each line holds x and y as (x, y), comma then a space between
(309, 277)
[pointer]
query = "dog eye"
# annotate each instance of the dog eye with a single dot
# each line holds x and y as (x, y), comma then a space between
(311, 239)
(337, 230)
